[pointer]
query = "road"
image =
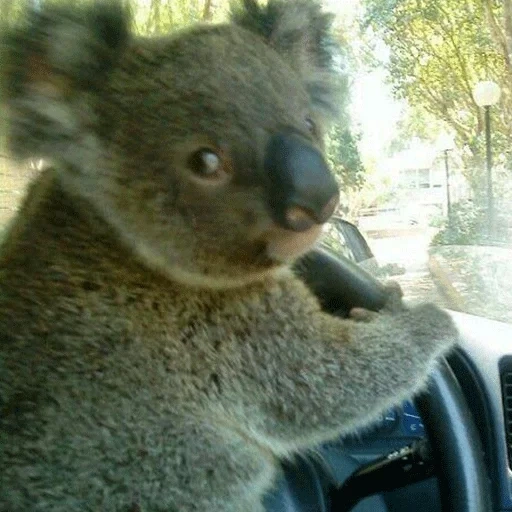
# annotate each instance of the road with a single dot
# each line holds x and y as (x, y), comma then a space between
(409, 251)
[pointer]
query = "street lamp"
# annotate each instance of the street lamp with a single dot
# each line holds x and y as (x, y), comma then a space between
(446, 143)
(486, 94)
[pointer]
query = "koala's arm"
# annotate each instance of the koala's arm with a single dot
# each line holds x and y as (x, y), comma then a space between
(315, 375)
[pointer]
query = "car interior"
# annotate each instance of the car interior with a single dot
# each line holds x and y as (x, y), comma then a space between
(448, 449)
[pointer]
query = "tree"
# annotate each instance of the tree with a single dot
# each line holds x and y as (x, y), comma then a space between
(344, 158)
(159, 16)
(6, 8)
(438, 50)
(342, 141)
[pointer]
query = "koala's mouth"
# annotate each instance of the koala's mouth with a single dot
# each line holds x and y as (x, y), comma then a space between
(284, 245)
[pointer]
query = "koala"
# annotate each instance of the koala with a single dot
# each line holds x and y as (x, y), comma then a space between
(158, 352)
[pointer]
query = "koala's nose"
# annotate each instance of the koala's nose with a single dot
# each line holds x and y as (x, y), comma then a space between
(303, 192)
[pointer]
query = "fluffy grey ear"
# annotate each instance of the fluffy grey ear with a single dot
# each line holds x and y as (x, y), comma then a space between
(52, 64)
(301, 32)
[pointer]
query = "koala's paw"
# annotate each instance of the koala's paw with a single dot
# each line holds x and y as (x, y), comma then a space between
(394, 304)
(425, 331)
(394, 300)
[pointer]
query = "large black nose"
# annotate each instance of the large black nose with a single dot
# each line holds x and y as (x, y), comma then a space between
(303, 192)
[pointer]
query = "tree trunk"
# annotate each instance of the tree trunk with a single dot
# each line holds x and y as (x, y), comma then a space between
(501, 33)
(154, 16)
(207, 10)
(507, 14)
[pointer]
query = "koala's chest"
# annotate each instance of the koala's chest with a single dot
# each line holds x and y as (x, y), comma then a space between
(125, 416)
(174, 359)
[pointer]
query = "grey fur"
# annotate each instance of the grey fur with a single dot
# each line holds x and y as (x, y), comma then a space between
(152, 356)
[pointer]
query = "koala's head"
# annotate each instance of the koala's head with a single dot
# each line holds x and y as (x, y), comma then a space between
(203, 149)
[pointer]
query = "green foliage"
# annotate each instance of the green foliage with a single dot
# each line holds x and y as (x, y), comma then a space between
(438, 51)
(344, 158)
(468, 226)
(342, 141)
(159, 16)
(10, 10)
(416, 123)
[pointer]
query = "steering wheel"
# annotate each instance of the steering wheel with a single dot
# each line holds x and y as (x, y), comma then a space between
(454, 440)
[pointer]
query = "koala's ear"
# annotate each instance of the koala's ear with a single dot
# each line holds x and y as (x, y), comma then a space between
(53, 62)
(301, 32)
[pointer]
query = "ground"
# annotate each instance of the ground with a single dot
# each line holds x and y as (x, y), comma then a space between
(477, 278)
(471, 279)
(409, 250)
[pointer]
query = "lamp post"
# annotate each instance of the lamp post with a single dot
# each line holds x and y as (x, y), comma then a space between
(486, 94)
(446, 143)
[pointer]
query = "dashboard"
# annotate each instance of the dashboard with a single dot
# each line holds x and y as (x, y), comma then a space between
(484, 369)
(401, 422)
(395, 429)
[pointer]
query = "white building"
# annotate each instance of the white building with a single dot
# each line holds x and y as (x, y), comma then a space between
(418, 186)
(420, 178)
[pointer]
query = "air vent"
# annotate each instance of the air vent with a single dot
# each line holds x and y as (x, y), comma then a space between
(506, 383)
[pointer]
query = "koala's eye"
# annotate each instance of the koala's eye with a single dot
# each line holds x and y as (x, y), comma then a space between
(205, 163)
(311, 126)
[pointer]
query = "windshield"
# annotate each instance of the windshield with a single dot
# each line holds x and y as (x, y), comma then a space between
(469, 278)
(420, 147)
(430, 185)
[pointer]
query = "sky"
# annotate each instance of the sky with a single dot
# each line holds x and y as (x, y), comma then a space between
(374, 111)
